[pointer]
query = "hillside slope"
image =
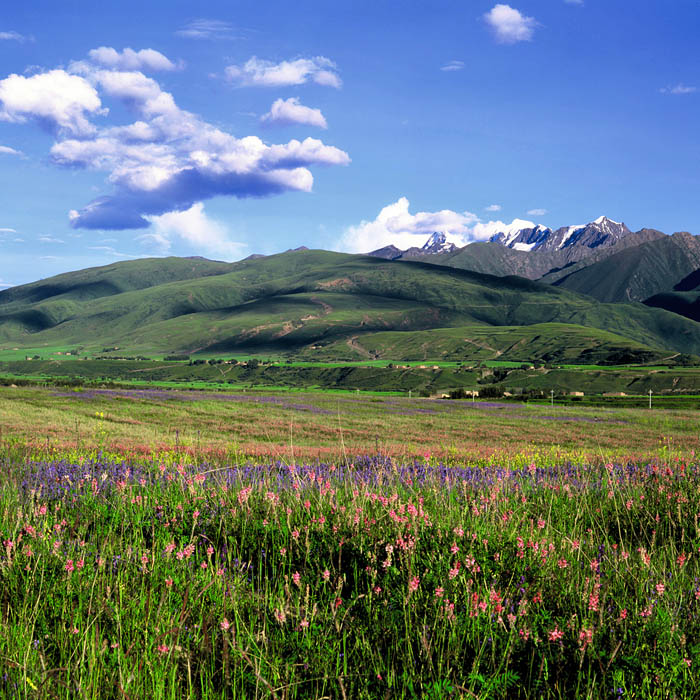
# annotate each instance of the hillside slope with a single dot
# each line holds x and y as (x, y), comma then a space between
(299, 299)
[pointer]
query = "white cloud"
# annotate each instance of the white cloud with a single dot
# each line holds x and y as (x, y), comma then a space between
(168, 159)
(453, 66)
(50, 239)
(261, 73)
(8, 230)
(6, 150)
(537, 212)
(394, 225)
(204, 235)
(291, 111)
(56, 98)
(12, 36)
(679, 89)
(129, 59)
(205, 29)
(493, 207)
(510, 25)
(574, 2)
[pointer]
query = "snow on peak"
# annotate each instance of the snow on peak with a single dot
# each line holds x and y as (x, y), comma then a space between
(603, 219)
(438, 243)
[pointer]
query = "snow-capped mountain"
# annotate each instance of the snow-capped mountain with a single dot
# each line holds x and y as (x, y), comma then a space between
(601, 232)
(436, 244)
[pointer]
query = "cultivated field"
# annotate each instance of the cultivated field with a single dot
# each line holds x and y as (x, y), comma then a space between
(192, 544)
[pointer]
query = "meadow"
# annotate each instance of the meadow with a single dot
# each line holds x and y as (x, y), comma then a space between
(172, 544)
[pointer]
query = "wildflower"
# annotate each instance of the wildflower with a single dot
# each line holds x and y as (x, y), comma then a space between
(377, 590)
(541, 523)
(687, 662)
(280, 616)
(169, 582)
(681, 559)
(413, 584)
(163, 649)
(556, 634)
(203, 565)
(296, 577)
(585, 637)
(623, 614)
(195, 515)
(225, 624)
(326, 575)
(74, 630)
(210, 550)
(69, 566)
(660, 588)
(304, 623)
(283, 551)
(562, 563)
(454, 548)
(439, 592)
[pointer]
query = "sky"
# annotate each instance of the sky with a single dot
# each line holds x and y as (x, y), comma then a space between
(221, 129)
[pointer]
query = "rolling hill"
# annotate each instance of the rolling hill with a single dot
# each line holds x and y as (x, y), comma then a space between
(306, 300)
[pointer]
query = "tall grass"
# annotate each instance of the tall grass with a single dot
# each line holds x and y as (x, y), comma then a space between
(373, 579)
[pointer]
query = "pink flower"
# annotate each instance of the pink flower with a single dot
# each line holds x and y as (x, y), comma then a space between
(210, 550)
(623, 614)
(169, 582)
(74, 630)
(296, 578)
(203, 565)
(69, 566)
(326, 575)
(195, 515)
(413, 584)
(377, 590)
(304, 623)
(454, 548)
(163, 649)
(562, 563)
(556, 634)
(660, 588)
(225, 624)
(439, 592)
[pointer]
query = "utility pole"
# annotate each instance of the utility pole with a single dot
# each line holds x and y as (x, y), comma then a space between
(650, 393)
(409, 393)
(551, 393)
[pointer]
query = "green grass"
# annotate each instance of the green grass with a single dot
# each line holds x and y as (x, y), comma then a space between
(167, 578)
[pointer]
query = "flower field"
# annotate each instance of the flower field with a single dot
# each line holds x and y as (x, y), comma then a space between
(169, 577)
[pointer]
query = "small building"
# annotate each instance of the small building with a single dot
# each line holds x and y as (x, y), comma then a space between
(614, 393)
(576, 393)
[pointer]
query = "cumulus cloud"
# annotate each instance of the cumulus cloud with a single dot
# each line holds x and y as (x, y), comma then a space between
(537, 212)
(128, 59)
(679, 89)
(510, 25)
(261, 73)
(205, 29)
(291, 111)
(196, 229)
(12, 36)
(395, 225)
(453, 66)
(493, 207)
(57, 99)
(6, 150)
(167, 160)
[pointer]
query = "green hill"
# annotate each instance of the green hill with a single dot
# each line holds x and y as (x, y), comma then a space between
(638, 272)
(300, 300)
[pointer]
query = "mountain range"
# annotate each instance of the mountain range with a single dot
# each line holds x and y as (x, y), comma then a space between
(603, 259)
(322, 305)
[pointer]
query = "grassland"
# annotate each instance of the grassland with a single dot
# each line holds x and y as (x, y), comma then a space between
(170, 544)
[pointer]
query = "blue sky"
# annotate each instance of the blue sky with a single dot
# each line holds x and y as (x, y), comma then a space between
(224, 129)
